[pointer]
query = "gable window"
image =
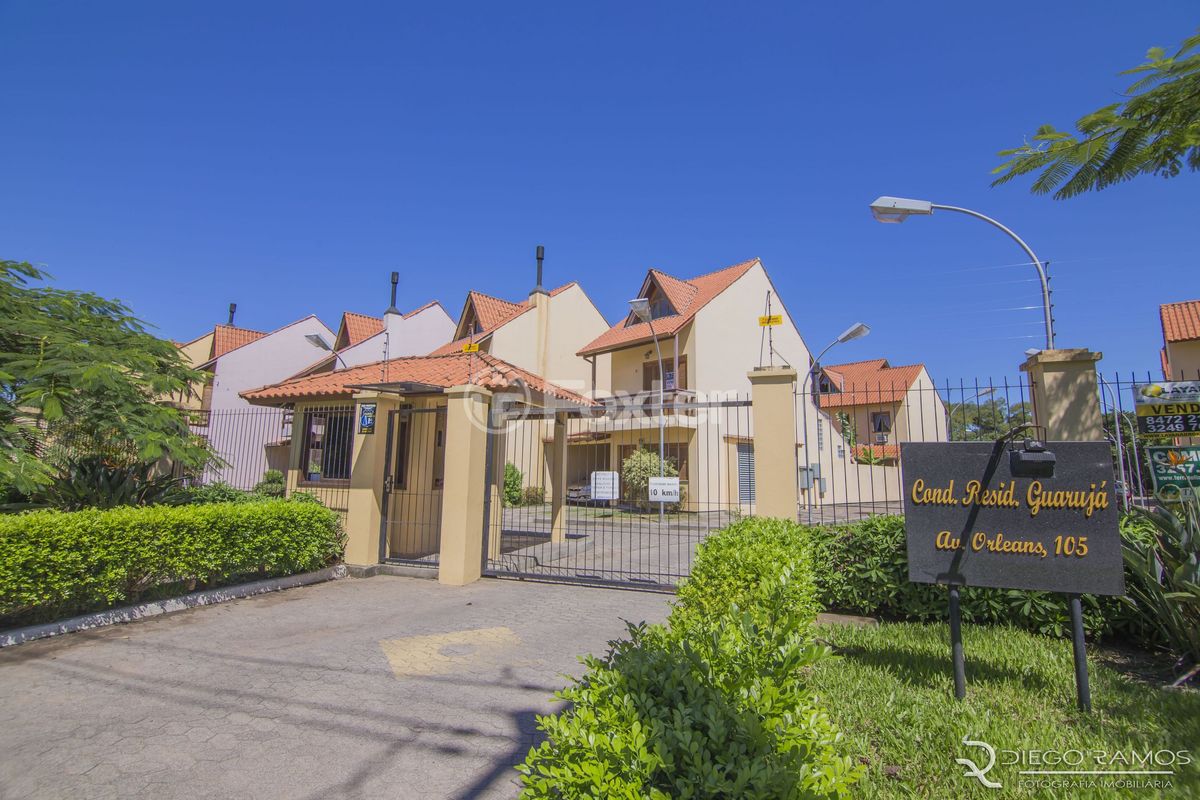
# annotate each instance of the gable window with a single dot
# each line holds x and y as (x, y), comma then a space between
(327, 444)
(825, 385)
(660, 306)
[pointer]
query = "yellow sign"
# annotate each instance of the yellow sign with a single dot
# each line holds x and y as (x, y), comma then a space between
(771, 321)
(1162, 409)
(470, 347)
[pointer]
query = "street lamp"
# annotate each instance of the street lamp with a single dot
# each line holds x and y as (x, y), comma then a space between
(640, 307)
(318, 341)
(855, 331)
(898, 209)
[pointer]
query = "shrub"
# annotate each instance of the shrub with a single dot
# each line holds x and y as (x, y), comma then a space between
(96, 481)
(716, 703)
(863, 568)
(273, 484)
(636, 471)
(53, 563)
(533, 496)
(1162, 578)
(512, 485)
(219, 492)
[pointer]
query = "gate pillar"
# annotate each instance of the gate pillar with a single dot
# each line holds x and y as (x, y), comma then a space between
(464, 492)
(364, 517)
(1066, 394)
(772, 393)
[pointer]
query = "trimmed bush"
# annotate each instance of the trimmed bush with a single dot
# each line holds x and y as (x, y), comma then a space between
(863, 568)
(273, 484)
(714, 704)
(54, 564)
(533, 496)
(512, 485)
(219, 492)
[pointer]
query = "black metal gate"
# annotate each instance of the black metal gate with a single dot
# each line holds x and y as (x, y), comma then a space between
(578, 521)
(413, 475)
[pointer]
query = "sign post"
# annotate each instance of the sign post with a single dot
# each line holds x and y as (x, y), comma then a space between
(1036, 516)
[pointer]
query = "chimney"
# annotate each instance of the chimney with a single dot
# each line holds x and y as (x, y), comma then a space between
(392, 308)
(232, 311)
(538, 289)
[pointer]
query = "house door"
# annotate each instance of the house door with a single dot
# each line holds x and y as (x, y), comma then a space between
(412, 486)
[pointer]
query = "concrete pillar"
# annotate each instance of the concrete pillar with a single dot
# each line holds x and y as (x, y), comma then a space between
(557, 469)
(464, 491)
(1066, 399)
(772, 394)
(364, 517)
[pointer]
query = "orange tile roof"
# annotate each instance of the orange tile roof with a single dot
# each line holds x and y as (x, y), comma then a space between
(887, 452)
(492, 313)
(1180, 321)
(871, 382)
(445, 371)
(231, 337)
(359, 327)
(687, 296)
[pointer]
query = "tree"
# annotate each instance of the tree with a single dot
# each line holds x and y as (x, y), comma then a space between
(985, 421)
(78, 371)
(1156, 130)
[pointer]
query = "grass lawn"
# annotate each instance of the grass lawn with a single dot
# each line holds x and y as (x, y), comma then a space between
(890, 690)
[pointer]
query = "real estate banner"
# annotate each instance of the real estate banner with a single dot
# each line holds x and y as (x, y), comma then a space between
(1167, 408)
(1175, 471)
(992, 514)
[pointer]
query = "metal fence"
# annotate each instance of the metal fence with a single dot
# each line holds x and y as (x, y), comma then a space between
(624, 540)
(414, 474)
(848, 454)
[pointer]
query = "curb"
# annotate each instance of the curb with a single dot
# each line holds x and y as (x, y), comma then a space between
(208, 597)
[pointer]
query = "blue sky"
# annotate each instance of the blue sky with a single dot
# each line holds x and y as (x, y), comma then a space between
(288, 156)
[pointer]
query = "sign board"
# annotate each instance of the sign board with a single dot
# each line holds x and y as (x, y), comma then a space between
(770, 321)
(366, 417)
(1167, 408)
(606, 486)
(470, 347)
(663, 490)
(1175, 471)
(971, 522)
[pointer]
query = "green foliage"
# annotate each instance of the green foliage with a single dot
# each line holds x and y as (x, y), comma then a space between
(76, 367)
(54, 563)
(863, 568)
(985, 420)
(849, 432)
(1163, 578)
(869, 457)
(219, 492)
(512, 485)
(891, 694)
(636, 471)
(716, 703)
(1156, 130)
(533, 496)
(273, 484)
(95, 482)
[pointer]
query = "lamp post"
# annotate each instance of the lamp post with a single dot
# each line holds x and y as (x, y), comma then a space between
(318, 341)
(641, 309)
(855, 331)
(898, 209)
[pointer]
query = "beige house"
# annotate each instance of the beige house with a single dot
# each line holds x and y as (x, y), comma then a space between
(1181, 340)
(540, 335)
(876, 406)
(709, 335)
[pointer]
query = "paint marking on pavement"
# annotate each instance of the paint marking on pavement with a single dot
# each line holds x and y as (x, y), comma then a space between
(439, 653)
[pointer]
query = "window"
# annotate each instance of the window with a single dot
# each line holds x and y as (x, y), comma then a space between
(660, 307)
(881, 421)
(745, 467)
(327, 445)
(650, 374)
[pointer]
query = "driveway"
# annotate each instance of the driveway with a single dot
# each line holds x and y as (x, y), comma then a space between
(384, 687)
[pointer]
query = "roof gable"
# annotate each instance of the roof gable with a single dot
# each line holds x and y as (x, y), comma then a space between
(231, 337)
(870, 382)
(355, 328)
(687, 297)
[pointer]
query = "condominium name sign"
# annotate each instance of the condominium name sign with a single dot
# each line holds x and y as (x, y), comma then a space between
(976, 515)
(1167, 408)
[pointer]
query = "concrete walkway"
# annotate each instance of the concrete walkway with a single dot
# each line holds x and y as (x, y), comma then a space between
(385, 687)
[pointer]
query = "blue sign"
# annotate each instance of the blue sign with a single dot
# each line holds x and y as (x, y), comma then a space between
(366, 417)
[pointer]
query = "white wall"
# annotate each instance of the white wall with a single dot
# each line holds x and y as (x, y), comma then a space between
(417, 335)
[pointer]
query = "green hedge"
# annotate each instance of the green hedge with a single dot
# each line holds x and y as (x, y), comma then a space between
(54, 564)
(863, 568)
(716, 703)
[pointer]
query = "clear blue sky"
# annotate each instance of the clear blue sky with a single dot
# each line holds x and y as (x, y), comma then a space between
(288, 156)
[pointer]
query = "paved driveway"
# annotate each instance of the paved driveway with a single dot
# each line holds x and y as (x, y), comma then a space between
(384, 687)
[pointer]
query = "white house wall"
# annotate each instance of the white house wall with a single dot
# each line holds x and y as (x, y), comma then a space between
(417, 335)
